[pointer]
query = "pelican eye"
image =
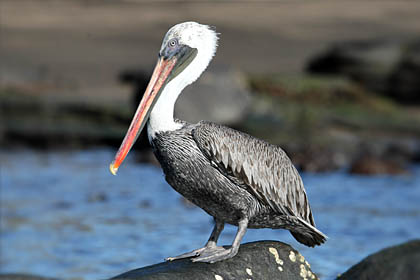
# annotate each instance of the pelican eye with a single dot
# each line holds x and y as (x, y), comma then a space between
(173, 42)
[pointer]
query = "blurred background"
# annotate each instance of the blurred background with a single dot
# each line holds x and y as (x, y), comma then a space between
(335, 84)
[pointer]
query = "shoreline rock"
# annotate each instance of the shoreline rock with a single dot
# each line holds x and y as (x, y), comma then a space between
(317, 140)
(400, 262)
(255, 260)
(384, 67)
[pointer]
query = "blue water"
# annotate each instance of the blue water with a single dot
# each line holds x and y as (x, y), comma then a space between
(64, 215)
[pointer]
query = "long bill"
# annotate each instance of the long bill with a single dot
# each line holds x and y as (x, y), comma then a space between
(157, 82)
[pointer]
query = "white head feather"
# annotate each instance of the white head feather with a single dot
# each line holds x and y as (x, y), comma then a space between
(194, 35)
(198, 36)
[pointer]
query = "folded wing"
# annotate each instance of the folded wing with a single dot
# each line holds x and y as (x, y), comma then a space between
(264, 169)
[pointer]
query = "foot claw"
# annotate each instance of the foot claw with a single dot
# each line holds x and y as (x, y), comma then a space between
(216, 255)
(193, 253)
(206, 254)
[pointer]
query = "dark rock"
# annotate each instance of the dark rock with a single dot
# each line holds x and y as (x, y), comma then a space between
(400, 262)
(404, 82)
(370, 165)
(313, 158)
(384, 155)
(367, 62)
(388, 68)
(403, 152)
(256, 260)
(340, 58)
(29, 120)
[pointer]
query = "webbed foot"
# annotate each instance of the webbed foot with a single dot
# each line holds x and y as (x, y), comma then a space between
(193, 253)
(215, 254)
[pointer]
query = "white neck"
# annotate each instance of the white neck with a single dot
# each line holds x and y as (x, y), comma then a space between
(162, 115)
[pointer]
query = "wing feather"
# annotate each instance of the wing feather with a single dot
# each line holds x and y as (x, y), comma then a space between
(264, 168)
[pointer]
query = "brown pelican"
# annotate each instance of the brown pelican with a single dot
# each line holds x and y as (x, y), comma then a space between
(234, 177)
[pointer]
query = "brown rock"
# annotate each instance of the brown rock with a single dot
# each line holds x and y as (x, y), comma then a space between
(370, 165)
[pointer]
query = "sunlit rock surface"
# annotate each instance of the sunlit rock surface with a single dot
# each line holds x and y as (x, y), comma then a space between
(255, 260)
(400, 262)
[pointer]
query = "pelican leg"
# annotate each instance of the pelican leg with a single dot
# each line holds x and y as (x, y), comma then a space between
(210, 245)
(219, 253)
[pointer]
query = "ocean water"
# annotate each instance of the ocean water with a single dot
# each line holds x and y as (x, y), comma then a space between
(62, 214)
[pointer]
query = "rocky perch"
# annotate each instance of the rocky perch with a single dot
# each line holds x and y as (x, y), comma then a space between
(399, 262)
(255, 260)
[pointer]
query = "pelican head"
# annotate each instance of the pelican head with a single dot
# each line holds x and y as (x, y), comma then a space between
(196, 40)
(186, 51)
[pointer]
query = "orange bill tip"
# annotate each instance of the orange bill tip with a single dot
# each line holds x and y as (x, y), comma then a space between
(113, 169)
